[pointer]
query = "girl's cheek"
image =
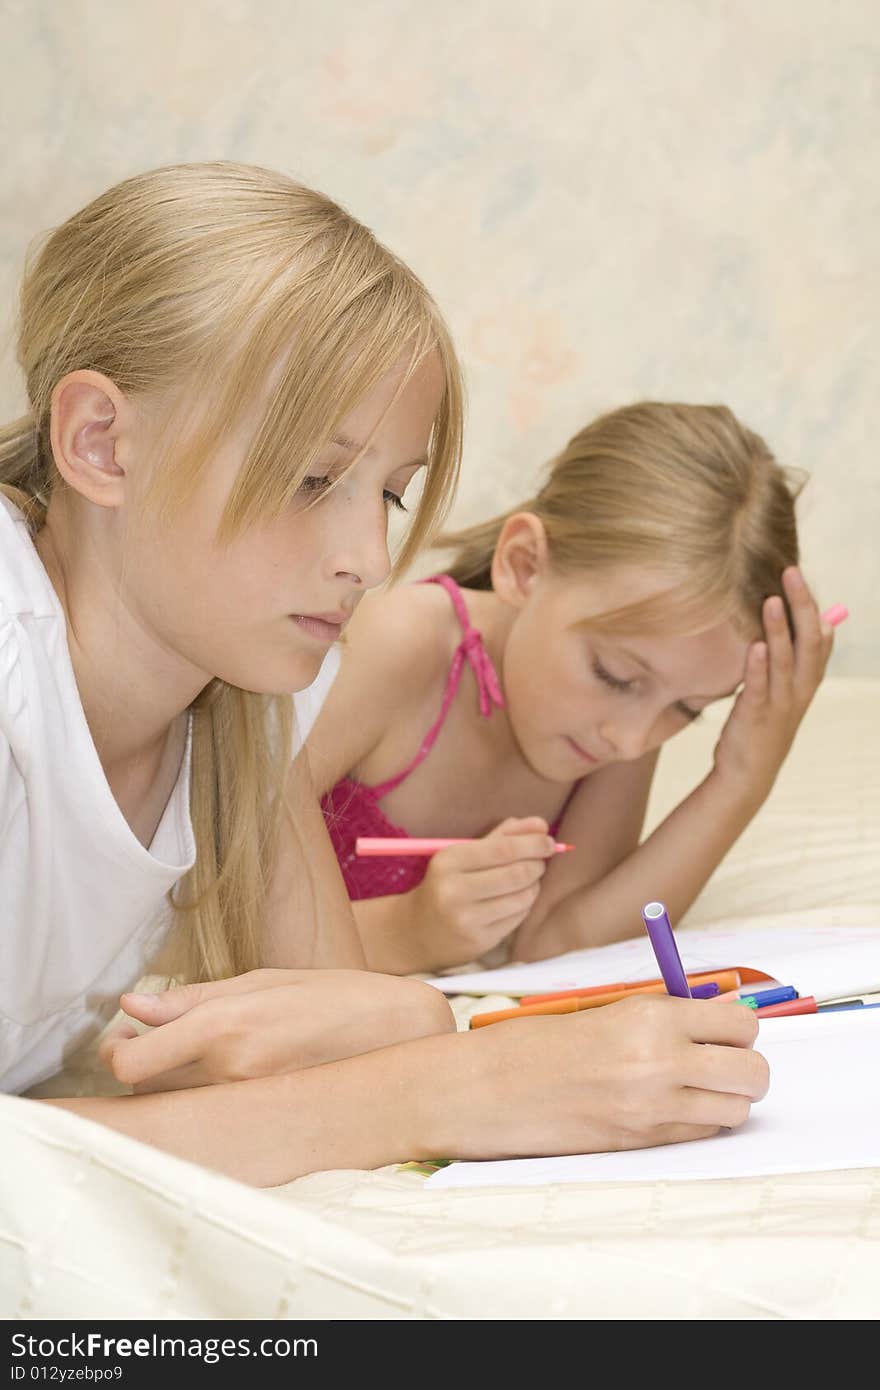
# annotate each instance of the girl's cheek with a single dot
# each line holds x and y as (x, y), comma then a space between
(597, 698)
(665, 729)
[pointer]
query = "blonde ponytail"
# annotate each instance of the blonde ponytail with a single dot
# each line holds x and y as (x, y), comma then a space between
(24, 476)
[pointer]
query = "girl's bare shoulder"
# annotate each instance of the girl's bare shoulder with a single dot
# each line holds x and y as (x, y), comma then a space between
(406, 634)
(396, 656)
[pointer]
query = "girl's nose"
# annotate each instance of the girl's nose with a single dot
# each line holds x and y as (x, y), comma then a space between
(629, 738)
(365, 558)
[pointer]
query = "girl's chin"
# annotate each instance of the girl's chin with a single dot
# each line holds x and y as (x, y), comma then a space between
(278, 678)
(551, 765)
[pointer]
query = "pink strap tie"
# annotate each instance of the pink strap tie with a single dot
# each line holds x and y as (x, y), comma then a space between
(472, 650)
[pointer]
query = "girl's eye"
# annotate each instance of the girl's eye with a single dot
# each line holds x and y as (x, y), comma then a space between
(314, 484)
(391, 499)
(606, 676)
(691, 715)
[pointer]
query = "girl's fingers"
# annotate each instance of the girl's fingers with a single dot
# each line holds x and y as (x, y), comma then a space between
(677, 1134)
(494, 911)
(713, 1108)
(502, 927)
(792, 668)
(501, 882)
(732, 1070)
(495, 850)
(530, 841)
(169, 1004)
(523, 825)
(813, 638)
(730, 1026)
(179, 1043)
(779, 648)
(163, 1007)
(122, 1032)
(757, 680)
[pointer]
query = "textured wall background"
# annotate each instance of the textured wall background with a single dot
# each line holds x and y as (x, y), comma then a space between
(610, 201)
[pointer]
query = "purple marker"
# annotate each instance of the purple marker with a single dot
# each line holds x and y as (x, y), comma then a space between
(656, 920)
(709, 991)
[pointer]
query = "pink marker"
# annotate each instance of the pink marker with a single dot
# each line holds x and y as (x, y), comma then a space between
(835, 614)
(368, 848)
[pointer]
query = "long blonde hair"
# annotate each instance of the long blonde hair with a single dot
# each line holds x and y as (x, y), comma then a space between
(685, 489)
(206, 282)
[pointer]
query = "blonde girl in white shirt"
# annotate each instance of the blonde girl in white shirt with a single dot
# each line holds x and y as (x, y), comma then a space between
(230, 382)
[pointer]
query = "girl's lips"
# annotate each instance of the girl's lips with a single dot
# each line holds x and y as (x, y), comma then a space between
(317, 627)
(581, 752)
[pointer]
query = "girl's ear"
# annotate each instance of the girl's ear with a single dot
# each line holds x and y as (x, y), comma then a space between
(89, 418)
(520, 558)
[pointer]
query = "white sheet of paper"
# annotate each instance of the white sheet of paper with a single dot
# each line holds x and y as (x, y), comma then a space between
(829, 959)
(821, 1112)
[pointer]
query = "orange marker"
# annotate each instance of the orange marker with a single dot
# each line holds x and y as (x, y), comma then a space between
(555, 1006)
(724, 979)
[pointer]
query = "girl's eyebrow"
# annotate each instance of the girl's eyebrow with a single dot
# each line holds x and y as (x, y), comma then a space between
(640, 661)
(345, 443)
(352, 446)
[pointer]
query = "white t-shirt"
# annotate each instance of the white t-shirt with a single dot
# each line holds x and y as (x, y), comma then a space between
(83, 905)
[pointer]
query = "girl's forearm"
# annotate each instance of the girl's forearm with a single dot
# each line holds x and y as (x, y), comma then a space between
(600, 1080)
(389, 936)
(673, 864)
(307, 889)
(412, 1100)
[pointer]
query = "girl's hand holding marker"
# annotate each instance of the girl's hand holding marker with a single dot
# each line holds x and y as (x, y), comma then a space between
(475, 892)
(649, 1070)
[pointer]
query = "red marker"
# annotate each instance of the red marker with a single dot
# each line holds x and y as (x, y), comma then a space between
(805, 1005)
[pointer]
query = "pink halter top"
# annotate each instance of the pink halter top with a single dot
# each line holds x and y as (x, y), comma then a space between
(352, 809)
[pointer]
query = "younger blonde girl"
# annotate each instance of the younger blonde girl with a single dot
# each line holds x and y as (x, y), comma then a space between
(524, 695)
